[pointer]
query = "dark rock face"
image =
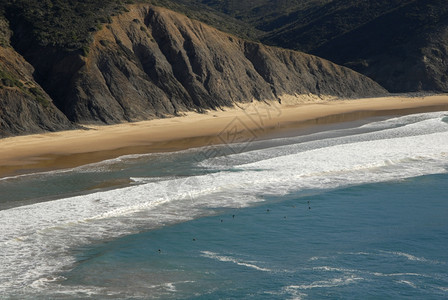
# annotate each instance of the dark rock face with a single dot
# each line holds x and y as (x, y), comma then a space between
(152, 62)
(435, 60)
(21, 114)
(401, 44)
(24, 106)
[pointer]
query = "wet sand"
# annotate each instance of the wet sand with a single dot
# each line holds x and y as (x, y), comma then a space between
(49, 151)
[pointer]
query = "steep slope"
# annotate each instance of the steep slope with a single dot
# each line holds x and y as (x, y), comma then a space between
(404, 49)
(399, 43)
(264, 15)
(24, 105)
(152, 62)
(214, 14)
(324, 22)
(435, 59)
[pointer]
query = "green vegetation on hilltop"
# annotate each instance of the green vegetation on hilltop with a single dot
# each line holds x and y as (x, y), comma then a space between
(66, 24)
(308, 24)
(206, 13)
(248, 19)
(381, 39)
(69, 24)
(297, 24)
(264, 15)
(324, 24)
(399, 43)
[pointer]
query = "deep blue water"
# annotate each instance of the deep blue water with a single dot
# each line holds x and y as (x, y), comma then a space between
(375, 241)
(356, 212)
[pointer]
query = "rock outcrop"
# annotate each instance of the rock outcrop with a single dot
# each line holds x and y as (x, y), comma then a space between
(151, 62)
(24, 106)
(401, 44)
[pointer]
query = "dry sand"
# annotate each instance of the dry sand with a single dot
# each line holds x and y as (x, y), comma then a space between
(66, 149)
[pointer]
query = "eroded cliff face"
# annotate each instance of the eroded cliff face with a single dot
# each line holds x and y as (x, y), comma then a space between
(152, 62)
(24, 106)
(435, 61)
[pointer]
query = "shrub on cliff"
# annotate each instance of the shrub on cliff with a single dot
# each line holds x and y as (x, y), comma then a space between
(65, 24)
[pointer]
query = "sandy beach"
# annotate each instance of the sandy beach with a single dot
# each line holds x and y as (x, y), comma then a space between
(42, 152)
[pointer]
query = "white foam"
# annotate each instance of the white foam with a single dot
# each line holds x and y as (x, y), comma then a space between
(96, 167)
(317, 258)
(140, 180)
(363, 272)
(333, 269)
(357, 253)
(294, 293)
(407, 282)
(398, 274)
(36, 239)
(230, 259)
(406, 120)
(412, 257)
(426, 125)
(334, 282)
(37, 174)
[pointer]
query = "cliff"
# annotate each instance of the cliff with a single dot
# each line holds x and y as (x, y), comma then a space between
(401, 44)
(24, 106)
(151, 62)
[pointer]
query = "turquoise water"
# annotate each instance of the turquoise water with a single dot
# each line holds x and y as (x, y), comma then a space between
(352, 213)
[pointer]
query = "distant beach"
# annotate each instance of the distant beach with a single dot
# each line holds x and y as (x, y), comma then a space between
(250, 121)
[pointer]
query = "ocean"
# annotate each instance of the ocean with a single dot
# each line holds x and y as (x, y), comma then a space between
(358, 211)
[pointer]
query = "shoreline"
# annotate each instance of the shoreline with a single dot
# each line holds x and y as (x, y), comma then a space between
(252, 121)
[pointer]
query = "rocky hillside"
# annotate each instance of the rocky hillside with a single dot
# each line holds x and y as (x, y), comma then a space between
(24, 106)
(401, 44)
(151, 62)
